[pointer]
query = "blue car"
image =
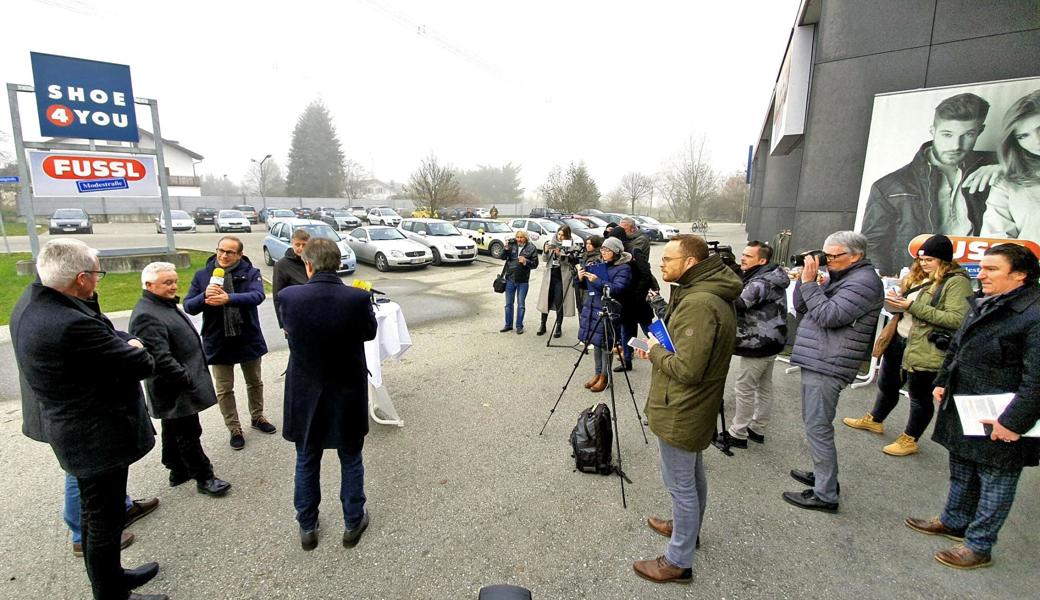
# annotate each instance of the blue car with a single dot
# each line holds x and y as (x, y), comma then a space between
(279, 240)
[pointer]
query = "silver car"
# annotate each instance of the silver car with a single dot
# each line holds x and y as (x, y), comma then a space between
(231, 220)
(386, 247)
(445, 242)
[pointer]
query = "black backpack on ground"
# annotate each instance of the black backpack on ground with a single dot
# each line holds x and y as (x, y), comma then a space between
(592, 441)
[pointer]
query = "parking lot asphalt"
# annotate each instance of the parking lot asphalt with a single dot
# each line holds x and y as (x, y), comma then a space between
(468, 494)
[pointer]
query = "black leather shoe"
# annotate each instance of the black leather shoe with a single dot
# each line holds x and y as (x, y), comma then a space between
(724, 438)
(135, 578)
(519, 330)
(351, 537)
(558, 332)
(758, 438)
(213, 487)
(808, 500)
(148, 597)
(625, 367)
(505, 329)
(808, 478)
(178, 478)
(541, 330)
(309, 539)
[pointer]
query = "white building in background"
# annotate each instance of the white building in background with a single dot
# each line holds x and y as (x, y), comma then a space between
(380, 191)
(180, 162)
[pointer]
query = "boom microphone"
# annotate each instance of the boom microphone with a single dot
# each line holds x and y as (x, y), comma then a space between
(367, 286)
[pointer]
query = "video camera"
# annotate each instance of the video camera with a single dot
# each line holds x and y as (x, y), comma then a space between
(571, 254)
(798, 260)
(726, 254)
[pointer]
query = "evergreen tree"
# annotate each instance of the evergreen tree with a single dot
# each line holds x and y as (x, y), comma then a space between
(316, 161)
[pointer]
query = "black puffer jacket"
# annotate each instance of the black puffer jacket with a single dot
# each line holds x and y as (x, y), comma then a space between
(289, 270)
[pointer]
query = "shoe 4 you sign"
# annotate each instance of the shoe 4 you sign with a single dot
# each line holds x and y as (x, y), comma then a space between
(86, 99)
(75, 174)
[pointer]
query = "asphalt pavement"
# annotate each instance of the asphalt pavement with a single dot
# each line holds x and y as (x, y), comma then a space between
(468, 493)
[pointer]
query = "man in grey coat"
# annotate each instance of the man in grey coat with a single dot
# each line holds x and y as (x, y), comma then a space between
(839, 319)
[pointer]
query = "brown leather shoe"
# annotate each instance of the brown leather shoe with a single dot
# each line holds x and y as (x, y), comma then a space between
(660, 526)
(934, 526)
(140, 508)
(660, 570)
(600, 385)
(125, 540)
(592, 381)
(962, 557)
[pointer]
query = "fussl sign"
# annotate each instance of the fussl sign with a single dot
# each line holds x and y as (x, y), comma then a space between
(85, 174)
(88, 99)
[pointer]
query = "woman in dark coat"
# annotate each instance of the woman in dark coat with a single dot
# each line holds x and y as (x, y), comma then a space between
(180, 387)
(614, 272)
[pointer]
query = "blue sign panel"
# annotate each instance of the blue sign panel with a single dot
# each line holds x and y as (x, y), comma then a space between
(86, 99)
(102, 185)
(9, 179)
(972, 269)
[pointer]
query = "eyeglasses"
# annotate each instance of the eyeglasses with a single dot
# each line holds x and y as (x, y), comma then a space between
(231, 252)
(670, 258)
(100, 274)
(834, 256)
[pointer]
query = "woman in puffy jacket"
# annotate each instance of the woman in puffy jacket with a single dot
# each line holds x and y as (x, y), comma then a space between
(614, 272)
(934, 301)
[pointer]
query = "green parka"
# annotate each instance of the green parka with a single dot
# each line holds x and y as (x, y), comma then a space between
(947, 314)
(686, 386)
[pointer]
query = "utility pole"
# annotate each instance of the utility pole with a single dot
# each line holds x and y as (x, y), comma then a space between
(263, 179)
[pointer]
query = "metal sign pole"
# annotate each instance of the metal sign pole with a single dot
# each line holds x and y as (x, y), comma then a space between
(24, 193)
(3, 231)
(163, 190)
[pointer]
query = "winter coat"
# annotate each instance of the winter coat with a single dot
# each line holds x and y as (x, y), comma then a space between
(514, 271)
(619, 277)
(289, 270)
(32, 418)
(995, 351)
(181, 385)
(326, 383)
(249, 345)
(86, 379)
(686, 386)
(947, 315)
(903, 205)
(567, 272)
(762, 312)
(839, 321)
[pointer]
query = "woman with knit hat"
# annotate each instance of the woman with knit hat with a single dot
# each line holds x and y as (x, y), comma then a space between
(610, 279)
(932, 303)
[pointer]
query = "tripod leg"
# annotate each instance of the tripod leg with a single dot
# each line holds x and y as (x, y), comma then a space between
(617, 442)
(584, 351)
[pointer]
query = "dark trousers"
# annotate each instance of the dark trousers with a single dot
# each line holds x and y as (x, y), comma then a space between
(629, 329)
(182, 450)
(102, 502)
(919, 384)
(307, 493)
(979, 502)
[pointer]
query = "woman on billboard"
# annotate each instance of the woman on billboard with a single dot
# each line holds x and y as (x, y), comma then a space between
(1013, 206)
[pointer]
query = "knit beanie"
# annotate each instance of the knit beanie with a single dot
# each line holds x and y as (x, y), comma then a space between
(614, 245)
(937, 246)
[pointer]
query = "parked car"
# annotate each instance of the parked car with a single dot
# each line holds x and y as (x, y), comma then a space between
(302, 212)
(204, 216)
(489, 235)
(382, 215)
(581, 227)
(70, 220)
(482, 212)
(360, 212)
(542, 212)
(590, 212)
(451, 214)
(280, 239)
(536, 228)
(278, 214)
(339, 219)
(658, 231)
(231, 220)
(249, 212)
(182, 221)
(422, 212)
(447, 243)
(387, 247)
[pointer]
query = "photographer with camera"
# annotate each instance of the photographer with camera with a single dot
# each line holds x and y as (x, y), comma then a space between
(521, 256)
(600, 316)
(931, 305)
(588, 258)
(835, 336)
(557, 291)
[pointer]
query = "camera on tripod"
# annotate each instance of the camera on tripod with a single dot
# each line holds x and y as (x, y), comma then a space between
(725, 253)
(798, 260)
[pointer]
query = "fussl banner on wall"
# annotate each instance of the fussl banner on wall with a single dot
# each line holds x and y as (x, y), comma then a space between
(79, 174)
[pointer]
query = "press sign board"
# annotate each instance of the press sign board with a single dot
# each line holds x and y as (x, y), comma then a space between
(87, 99)
(84, 174)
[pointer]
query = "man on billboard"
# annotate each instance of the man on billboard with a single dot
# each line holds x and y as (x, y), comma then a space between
(927, 195)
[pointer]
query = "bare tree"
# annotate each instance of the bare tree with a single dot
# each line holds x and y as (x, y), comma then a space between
(433, 186)
(635, 187)
(554, 189)
(689, 181)
(354, 176)
(264, 179)
(615, 201)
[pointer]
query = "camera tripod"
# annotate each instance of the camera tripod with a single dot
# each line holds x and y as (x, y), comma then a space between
(606, 317)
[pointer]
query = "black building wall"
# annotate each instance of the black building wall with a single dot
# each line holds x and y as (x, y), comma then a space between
(863, 48)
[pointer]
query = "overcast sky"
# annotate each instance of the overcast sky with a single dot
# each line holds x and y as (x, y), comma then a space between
(620, 85)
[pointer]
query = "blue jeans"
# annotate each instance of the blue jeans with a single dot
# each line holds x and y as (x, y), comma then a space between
(979, 502)
(307, 494)
(72, 510)
(683, 475)
(519, 290)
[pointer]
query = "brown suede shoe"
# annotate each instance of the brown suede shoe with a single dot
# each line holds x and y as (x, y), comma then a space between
(660, 526)
(600, 385)
(934, 526)
(125, 540)
(961, 557)
(660, 570)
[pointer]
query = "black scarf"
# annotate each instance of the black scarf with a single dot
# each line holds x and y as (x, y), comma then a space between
(232, 314)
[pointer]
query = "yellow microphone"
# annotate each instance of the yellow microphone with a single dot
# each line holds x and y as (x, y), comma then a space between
(363, 285)
(217, 278)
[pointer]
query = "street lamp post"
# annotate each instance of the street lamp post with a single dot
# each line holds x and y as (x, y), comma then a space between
(263, 180)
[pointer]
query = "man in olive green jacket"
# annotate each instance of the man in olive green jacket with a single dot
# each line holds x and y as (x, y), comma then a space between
(686, 390)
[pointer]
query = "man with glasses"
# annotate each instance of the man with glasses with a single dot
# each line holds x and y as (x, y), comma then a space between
(231, 332)
(86, 378)
(835, 336)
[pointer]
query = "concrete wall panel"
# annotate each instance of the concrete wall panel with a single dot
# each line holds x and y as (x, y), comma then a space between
(985, 59)
(850, 28)
(965, 19)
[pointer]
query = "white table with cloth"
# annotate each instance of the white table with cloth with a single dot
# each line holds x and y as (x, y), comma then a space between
(391, 341)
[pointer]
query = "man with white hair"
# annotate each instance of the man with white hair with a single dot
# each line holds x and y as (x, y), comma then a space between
(181, 387)
(835, 336)
(86, 377)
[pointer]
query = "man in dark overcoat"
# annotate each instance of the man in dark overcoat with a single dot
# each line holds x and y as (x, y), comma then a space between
(326, 387)
(181, 387)
(86, 377)
(996, 351)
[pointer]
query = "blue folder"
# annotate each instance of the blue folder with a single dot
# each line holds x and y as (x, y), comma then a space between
(658, 330)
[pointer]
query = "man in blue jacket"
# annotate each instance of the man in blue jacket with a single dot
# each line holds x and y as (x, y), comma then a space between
(231, 331)
(839, 319)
